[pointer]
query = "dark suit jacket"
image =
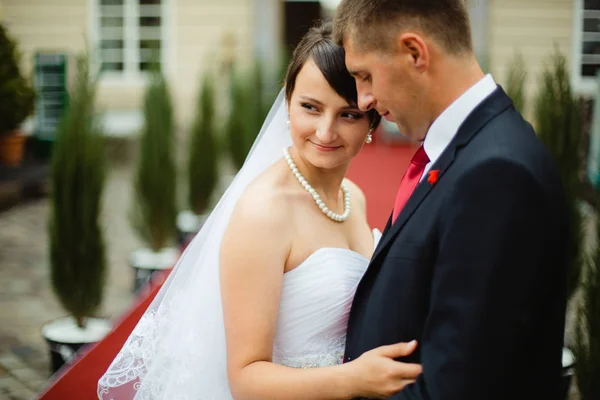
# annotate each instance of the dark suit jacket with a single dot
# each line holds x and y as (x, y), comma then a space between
(474, 268)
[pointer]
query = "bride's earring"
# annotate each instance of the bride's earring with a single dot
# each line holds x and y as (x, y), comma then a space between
(369, 138)
(288, 124)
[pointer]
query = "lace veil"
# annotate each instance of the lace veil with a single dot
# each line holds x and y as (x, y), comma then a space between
(177, 350)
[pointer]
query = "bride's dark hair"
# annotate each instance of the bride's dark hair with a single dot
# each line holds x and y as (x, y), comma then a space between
(317, 44)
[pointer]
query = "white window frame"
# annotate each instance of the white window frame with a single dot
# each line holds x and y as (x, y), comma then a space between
(585, 85)
(131, 73)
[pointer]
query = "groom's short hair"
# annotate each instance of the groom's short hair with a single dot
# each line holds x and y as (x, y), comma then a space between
(375, 24)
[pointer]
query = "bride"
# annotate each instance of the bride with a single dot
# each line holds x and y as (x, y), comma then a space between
(257, 306)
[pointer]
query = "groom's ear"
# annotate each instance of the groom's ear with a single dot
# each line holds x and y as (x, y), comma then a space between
(413, 48)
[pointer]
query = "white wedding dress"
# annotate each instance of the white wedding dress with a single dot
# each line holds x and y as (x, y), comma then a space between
(314, 307)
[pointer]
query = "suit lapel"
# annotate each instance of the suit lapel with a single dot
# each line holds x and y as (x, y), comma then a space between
(385, 230)
(493, 105)
(388, 224)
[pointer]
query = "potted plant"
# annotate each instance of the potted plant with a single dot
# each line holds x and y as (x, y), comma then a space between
(16, 101)
(247, 111)
(515, 82)
(154, 209)
(234, 125)
(559, 119)
(559, 123)
(202, 164)
(587, 328)
(77, 250)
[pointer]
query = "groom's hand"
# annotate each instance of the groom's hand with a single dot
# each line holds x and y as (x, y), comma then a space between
(380, 376)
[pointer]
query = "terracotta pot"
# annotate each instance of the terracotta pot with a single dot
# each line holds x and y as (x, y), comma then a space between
(11, 148)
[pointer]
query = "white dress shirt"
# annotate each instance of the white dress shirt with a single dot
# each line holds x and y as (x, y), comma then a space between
(445, 126)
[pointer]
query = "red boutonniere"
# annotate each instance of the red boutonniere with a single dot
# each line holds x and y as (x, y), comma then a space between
(433, 176)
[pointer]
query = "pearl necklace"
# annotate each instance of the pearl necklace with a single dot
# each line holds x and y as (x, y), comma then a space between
(334, 216)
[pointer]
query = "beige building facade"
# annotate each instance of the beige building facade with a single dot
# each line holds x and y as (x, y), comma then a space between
(534, 28)
(195, 35)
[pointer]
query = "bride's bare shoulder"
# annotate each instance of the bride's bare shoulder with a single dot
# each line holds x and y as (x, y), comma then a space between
(259, 227)
(258, 235)
(266, 199)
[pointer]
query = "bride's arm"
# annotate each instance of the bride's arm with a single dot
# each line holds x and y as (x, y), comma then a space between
(253, 254)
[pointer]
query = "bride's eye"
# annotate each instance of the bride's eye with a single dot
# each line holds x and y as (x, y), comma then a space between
(352, 116)
(309, 107)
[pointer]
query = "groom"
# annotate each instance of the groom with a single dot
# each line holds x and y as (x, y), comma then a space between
(472, 263)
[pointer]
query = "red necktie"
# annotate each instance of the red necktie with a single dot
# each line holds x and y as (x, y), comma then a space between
(410, 180)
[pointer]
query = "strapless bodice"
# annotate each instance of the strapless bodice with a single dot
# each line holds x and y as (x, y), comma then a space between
(315, 303)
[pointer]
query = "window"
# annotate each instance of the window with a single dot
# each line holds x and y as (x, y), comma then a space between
(586, 45)
(130, 35)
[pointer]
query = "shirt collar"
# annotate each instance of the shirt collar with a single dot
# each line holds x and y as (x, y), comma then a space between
(444, 128)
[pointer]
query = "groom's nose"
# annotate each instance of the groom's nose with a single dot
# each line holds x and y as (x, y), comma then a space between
(366, 101)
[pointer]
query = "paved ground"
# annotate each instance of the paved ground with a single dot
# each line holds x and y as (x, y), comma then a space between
(26, 299)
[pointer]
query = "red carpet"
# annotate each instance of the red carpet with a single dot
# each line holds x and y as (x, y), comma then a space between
(377, 170)
(79, 380)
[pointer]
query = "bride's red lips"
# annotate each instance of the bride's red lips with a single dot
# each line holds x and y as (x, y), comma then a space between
(325, 148)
